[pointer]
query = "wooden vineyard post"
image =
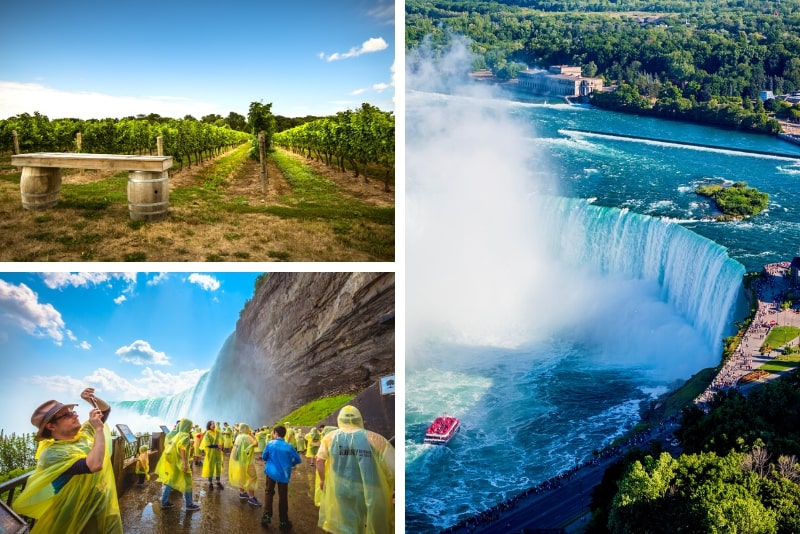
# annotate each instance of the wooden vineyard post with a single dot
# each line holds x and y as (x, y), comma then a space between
(79, 143)
(15, 138)
(160, 143)
(262, 156)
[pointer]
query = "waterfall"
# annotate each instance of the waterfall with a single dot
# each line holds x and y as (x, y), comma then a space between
(148, 414)
(695, 275)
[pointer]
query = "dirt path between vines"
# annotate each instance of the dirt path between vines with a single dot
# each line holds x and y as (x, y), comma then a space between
(196, 229)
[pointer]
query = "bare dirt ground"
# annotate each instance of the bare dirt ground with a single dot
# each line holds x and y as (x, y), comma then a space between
(193, 231)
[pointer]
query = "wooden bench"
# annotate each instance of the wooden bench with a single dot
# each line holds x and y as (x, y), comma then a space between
(148, 179)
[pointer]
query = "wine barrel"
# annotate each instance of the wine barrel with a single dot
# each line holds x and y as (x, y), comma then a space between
(148, 195)
(40, 187)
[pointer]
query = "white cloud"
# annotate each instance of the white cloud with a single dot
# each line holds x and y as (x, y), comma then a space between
(373, 44)
(59, 280)
(207, 282)
(113, 387)
(20, 308)
(141, 353)
(160, 384)
(157, 279)
(16, 98)
(59, 384)
(377, 87)
(85, 345)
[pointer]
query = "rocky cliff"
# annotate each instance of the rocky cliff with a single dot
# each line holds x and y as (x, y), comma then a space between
(306, 335)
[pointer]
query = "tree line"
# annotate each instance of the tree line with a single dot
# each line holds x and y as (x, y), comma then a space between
(360, 138)
(185, 139)
(738, 472)
(704, 60)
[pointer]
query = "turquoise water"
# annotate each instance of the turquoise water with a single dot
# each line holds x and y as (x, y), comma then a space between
(557, 279)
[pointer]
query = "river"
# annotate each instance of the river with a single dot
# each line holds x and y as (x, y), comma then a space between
(557, 279)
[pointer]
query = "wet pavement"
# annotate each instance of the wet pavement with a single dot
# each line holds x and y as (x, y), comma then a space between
(220, 510)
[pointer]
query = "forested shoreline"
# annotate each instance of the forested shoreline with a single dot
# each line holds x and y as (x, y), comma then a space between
(701, 61)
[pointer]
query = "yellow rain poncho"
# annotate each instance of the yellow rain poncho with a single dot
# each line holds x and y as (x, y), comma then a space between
(318, 492)
(359, 479)
(241, 470)
(86, 503)
(212, 465)
(261, 438)
(312, 443)
(170, 468)
(143, 462)
(227, 436)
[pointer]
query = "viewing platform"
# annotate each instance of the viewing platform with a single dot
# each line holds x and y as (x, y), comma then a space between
(221, 510)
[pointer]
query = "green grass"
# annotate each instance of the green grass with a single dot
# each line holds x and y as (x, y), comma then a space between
(782, 363)
(96, 195)
(315, 411)
(780, 336)
(214, 176)
(682, 397)
(315, 197)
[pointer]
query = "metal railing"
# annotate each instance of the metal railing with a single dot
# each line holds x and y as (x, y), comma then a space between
(122, 455)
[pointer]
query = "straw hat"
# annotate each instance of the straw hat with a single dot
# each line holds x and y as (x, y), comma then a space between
(44, 413)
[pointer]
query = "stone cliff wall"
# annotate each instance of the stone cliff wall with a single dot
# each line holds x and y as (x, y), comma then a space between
(306, 335)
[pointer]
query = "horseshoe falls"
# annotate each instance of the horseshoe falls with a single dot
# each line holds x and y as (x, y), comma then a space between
(557, 279)
(213, 397)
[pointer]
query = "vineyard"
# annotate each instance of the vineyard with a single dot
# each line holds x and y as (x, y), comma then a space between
(359, 138)
(310, 208)
(188, 141)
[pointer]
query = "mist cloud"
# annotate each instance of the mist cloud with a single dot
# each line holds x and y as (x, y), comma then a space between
(475, 265)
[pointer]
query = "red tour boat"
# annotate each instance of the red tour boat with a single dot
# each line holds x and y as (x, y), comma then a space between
(442, 430)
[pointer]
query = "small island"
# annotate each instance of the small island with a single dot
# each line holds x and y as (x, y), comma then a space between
(735, 202)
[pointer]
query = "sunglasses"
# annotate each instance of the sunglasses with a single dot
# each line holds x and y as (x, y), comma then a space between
(68, 413)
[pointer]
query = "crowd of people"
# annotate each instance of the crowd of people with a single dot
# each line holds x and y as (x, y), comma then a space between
(771, 289)
(73, 487)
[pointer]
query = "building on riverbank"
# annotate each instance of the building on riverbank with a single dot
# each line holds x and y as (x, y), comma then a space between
(559, 80)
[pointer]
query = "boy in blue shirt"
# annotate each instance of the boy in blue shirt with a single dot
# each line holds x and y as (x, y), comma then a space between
(280, 458)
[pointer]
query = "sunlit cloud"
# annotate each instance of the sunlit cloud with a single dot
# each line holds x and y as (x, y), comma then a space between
(17, 98)
(207, 282)
(113, 387)
(59, 280)
(120, 299)
(157, 279)
(20, 309)
(85, 345)
(373, 44)
(377, 87)
(141, 353)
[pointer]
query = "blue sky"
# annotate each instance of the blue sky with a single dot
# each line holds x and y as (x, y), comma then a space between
(129, 335)
(97, 59)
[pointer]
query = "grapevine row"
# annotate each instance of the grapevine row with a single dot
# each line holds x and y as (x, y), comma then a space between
(360, 138)
(184, 139)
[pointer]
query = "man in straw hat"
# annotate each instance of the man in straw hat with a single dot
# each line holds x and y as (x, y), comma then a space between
(356, 472)
(72, 488)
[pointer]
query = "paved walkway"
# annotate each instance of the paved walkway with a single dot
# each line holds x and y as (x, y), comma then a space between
(771, 289)
(221, 511)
